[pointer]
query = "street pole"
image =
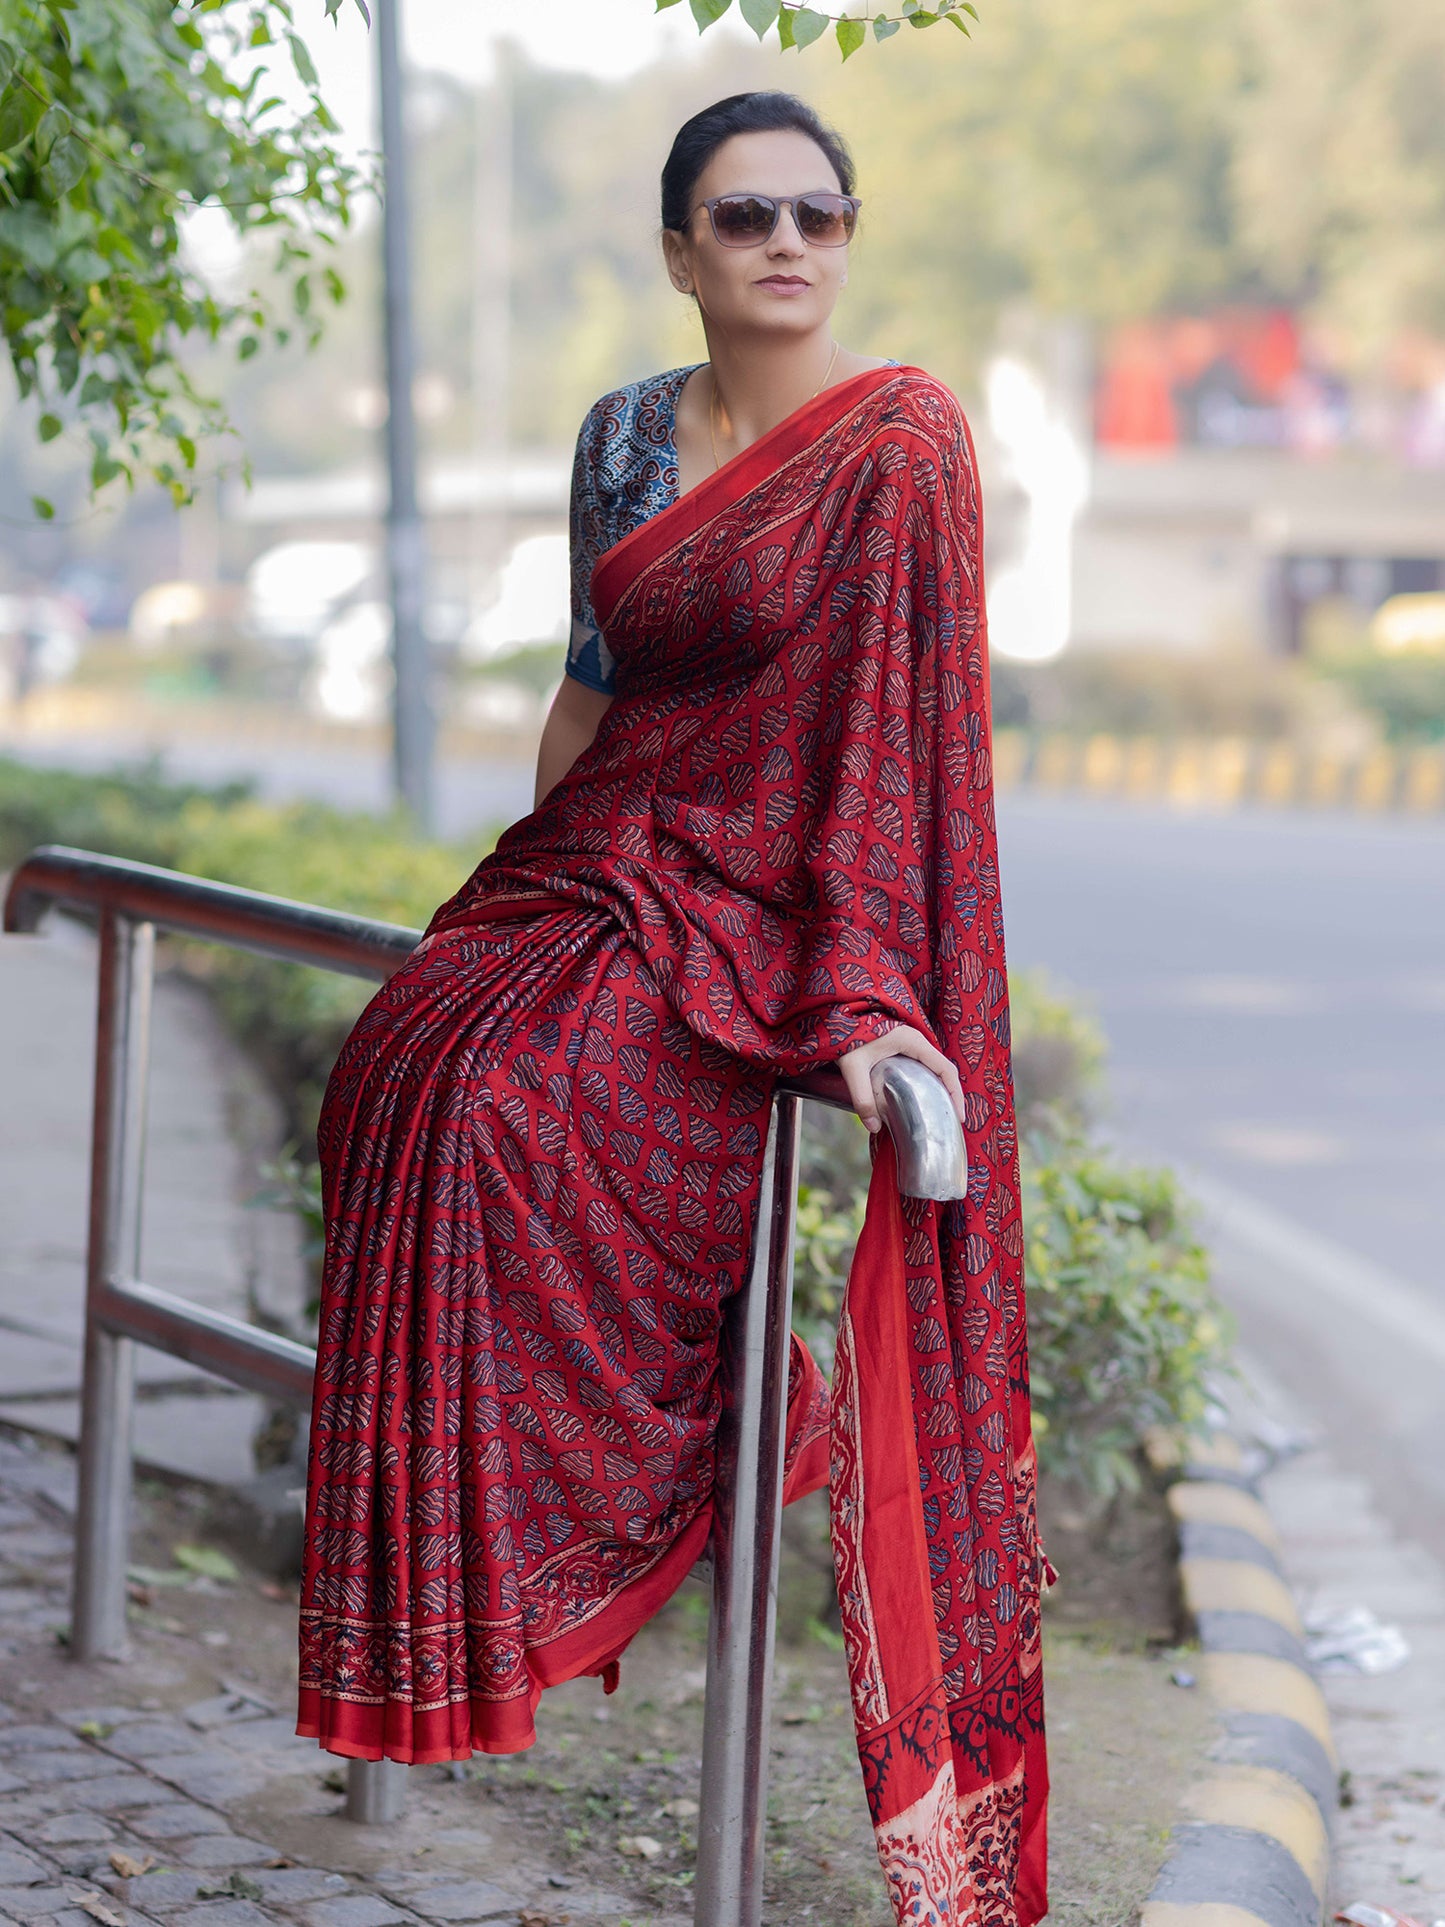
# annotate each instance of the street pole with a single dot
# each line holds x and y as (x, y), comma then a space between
(491, 318)
(413, 727)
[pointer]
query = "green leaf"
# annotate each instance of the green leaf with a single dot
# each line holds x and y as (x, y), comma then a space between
(808, 26)
(69, 160)
(785, 28)
(707, 13)
(301, 59)
(923, 19)
(50, 426)
(210, 1561)
(53, 123)
(958, 22)
(883, 27)
(760, 14)
(30, 230)
(661, 4)
(45, 510)
(20, 110)
(851, 35)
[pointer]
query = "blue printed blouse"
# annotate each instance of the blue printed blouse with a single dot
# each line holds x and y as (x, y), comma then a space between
(625, 470)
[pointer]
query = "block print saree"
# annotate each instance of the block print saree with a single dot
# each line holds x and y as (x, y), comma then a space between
(542, 1144)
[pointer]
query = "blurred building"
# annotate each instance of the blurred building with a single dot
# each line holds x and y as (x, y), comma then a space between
(1239, 478)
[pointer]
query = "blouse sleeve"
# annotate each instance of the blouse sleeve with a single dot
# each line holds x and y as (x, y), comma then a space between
(589, 660)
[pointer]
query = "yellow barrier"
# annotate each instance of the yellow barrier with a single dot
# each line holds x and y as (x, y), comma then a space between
(1223, 772)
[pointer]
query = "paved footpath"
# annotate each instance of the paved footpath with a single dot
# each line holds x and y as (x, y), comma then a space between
(125, 1804)
(1339, 1551)
(209, 1122)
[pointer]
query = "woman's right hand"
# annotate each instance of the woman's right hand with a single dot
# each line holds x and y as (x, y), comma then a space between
(903, 1040)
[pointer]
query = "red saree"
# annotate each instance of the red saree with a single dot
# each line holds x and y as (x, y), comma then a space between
(541, 1151)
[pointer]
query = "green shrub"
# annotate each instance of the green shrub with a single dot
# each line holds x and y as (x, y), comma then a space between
(1124, 1330)
(132, 813)
(1406, 691)
(291, 1017)
(1058, 1054)
(1153, 692)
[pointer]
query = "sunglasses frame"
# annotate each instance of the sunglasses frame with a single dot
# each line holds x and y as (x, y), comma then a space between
(779, 201)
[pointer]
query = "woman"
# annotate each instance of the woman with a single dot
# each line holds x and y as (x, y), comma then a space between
(764, 841)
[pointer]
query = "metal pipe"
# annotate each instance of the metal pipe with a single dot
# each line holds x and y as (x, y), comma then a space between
(927, 1136)
(194, 906)
(375, 1792)
(242, 1354)
(747, 1524)
(413, 725)
(919, 1113)
(117, 1157)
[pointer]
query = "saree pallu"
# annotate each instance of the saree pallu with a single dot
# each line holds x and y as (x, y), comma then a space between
(542, 1150)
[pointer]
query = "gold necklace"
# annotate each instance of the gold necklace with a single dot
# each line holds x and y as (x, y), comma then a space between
(712, 403)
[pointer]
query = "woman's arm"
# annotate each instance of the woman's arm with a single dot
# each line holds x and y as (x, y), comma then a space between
(571, 723)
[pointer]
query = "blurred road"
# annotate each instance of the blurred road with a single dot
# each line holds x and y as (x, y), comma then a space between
(1273, 987)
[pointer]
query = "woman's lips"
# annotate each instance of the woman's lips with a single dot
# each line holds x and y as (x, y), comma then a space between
(784, 283)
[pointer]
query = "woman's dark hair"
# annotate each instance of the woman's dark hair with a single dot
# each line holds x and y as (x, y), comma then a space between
(698, 139)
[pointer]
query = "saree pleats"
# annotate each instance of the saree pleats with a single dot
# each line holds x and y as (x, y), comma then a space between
(516, 1398)
(543, 1149)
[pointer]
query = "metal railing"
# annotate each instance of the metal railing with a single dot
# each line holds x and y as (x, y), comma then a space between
(133, 901)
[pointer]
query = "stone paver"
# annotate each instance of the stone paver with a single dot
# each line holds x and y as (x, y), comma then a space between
(161, 1788)
(362, 1910)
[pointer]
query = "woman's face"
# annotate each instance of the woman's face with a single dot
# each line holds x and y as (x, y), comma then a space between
(785, 284)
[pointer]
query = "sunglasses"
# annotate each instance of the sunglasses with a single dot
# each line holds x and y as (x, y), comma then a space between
(747, 220)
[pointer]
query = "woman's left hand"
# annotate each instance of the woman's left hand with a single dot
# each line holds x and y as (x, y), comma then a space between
(858, 1065)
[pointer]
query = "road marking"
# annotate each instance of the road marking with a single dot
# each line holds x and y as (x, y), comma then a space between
(1281, 1145)
(1366, 1290)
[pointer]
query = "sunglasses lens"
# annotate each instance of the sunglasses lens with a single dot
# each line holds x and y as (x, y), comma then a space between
(743, 220)
(825, 219)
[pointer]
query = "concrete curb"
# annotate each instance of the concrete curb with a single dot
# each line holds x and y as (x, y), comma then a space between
(1223, 772)
(1255, 1848)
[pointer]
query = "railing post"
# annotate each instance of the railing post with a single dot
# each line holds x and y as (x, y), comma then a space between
(117, 1158)
(747, 1522)
(375, 1791)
